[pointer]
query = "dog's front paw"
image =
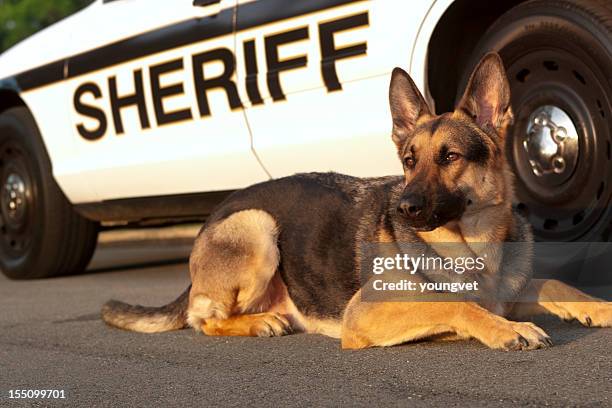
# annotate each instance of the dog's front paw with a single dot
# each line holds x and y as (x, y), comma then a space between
(514, 336)
(271, 325)
(590, 314)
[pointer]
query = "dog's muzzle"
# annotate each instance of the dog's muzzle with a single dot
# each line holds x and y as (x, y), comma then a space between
(423, 214)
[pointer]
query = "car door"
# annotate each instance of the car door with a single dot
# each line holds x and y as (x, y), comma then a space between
(316, 75)
(154, 105)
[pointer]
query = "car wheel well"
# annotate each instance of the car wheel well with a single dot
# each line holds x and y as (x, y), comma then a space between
(462, 25)
(9, 99)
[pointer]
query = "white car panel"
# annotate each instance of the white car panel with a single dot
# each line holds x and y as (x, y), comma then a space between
(303, 132)
(311, 139)
(418, 57)
(55, 125)
(105, 23)
(48, 45)
(203, 154)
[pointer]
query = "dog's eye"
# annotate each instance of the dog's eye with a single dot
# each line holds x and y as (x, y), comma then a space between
(451, 157)
(409, 162)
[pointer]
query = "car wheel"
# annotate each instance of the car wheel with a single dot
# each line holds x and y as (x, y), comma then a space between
(40, 233)
(558, 56)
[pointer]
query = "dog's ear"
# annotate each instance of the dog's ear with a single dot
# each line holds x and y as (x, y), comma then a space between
(407, 105)
(487, 95)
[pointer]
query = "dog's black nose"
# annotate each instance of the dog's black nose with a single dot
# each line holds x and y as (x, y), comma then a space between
(412, 205)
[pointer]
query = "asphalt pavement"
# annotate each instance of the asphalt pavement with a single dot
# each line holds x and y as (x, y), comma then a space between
(51, 337)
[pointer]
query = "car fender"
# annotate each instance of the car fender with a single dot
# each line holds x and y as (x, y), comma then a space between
(418, 57)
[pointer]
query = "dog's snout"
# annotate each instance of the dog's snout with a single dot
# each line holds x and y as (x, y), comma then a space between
(412, 205)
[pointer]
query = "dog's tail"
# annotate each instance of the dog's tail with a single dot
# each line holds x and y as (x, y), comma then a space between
(172, 316)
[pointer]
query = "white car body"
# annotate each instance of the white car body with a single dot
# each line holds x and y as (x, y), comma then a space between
(316, 127)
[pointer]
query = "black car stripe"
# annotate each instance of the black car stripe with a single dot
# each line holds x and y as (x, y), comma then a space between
(40, 76)
(166, 38)
(250, 15)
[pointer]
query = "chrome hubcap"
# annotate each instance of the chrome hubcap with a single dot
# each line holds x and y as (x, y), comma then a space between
(551, 143)
(17, 204)
(14, 198)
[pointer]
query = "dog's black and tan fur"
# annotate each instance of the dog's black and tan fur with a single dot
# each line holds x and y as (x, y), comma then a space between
(283, 256)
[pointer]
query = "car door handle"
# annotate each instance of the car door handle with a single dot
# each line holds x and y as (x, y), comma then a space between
(204, 3)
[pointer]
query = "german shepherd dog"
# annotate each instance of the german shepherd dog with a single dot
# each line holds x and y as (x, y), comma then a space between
(283, 256)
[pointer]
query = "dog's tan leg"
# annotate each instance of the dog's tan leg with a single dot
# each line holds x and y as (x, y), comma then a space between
(549, 296)
(369, 324)
(233, 271)
(255, 325)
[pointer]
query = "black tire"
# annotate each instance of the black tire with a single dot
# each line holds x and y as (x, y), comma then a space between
(559, 53)
(40, 234)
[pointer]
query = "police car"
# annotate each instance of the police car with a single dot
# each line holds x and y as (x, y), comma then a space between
(144, 111)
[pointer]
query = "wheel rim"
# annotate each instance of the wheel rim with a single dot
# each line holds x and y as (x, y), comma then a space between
(551, 144)
(559, 146)
(16, 201)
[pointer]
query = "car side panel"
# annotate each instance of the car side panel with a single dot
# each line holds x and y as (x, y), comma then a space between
(318, 127)
(53, 116)
(418, 56)
(42, 57)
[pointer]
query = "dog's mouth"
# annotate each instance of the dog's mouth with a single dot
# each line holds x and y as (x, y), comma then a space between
(435, 220)
(424, 225)
(426, 228)
(424, 210)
